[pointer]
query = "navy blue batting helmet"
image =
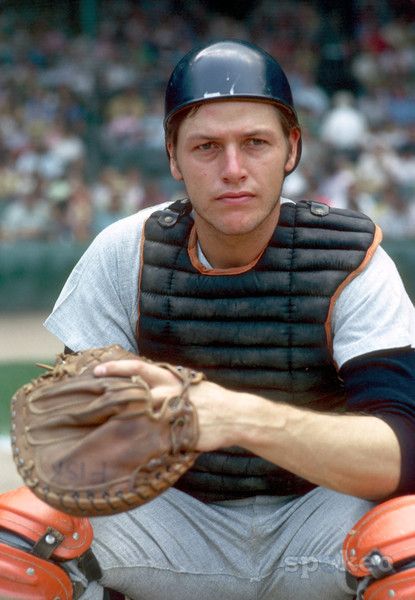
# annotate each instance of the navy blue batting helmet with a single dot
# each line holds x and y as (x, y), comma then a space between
(229, 69)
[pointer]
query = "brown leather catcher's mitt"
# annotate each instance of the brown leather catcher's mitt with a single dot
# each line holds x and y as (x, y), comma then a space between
(101, 445)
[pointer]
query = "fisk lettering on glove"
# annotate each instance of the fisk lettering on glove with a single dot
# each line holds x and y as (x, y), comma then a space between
(70, 472)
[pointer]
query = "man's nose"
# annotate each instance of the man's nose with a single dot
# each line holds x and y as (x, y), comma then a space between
(233, 164)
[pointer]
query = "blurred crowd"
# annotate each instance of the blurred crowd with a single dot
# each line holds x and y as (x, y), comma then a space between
(71, 105)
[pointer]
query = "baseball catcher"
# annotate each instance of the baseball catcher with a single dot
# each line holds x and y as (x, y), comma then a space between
(302, 326)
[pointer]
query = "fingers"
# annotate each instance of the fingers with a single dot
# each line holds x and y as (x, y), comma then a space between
(151, 373)
(120, 368)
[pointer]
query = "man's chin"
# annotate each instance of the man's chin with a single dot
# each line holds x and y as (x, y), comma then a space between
(240, 229)
(237, 223)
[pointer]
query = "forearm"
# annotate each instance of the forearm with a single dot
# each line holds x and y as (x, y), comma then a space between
(353, 454)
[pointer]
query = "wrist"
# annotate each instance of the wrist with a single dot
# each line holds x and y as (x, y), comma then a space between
(248, 418)
(262, 422)
(221, 415)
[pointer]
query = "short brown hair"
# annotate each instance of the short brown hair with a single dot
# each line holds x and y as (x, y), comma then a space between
(173, 124)
(287, 118)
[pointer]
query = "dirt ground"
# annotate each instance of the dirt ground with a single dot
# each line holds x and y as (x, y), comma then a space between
(22, 337)
(9, 478)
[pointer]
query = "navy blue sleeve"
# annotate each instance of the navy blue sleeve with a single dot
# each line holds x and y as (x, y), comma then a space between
(383, 384)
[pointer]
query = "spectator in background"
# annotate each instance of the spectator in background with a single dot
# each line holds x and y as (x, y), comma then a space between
(58, 194)
(370, 171)
(152, 124)
(339, 176)
(124, 113)
(38, 160)
(128, 185)
(80, 210)
(107, 179)
(65, 144)
(399, 165)
(396, 215)
(344, 127)
(153, 194)
(28, 217)
(114, 211)
(134, 191)
(10, 180)
(60, 229)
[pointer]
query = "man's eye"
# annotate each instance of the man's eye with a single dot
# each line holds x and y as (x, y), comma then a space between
(206, 146)
(256, 142)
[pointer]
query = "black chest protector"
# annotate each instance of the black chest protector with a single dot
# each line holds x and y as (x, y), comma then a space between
(264, 330)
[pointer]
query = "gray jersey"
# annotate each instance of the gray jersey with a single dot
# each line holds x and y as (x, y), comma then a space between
(98, 304)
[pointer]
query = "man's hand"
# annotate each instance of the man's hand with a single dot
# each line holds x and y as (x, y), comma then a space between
(162, 382)
(216, 420)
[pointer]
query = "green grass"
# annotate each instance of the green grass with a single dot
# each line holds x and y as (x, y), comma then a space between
(12, 376)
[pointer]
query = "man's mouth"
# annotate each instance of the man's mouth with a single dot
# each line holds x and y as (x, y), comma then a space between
(235, 197)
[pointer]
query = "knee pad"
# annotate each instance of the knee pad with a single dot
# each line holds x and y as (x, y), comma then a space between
(380, 551)
(35, 540)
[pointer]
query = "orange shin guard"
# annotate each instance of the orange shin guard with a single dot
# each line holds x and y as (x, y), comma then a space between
(34, 539)
(380, 551)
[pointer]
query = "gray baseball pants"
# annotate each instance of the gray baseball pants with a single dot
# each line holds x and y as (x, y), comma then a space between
(261, 548)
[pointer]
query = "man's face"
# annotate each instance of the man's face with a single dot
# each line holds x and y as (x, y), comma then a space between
(233, 157)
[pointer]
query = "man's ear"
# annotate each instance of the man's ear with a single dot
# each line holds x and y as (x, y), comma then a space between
(174, 167)
(295, 135)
